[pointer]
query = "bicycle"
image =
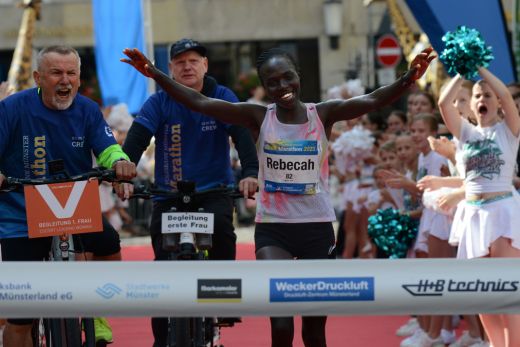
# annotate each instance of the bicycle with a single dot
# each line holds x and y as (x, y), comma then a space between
(189, 241)
(62, 332)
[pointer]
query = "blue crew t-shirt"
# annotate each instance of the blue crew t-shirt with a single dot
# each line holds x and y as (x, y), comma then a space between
(31, 135)
(189, 145)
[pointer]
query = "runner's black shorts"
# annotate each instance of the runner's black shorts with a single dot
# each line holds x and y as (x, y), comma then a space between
(302, 240)
(24, 249)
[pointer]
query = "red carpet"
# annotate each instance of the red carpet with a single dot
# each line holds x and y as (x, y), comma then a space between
(355, 331)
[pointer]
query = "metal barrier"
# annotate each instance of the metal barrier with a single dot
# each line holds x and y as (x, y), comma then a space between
(266, 288)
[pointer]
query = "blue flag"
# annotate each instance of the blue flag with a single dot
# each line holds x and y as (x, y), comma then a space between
(487, 16)
(118, 24)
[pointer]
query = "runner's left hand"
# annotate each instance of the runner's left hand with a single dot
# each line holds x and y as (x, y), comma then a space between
(421, 62)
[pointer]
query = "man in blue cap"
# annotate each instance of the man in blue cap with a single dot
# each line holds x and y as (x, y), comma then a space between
(197, 149)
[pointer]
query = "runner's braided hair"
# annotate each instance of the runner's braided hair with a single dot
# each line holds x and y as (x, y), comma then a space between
(271, 53)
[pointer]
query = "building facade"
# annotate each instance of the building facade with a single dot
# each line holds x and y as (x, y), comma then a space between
(236, 31)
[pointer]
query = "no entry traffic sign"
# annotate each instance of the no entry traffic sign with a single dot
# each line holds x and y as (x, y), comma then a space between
(388, 51)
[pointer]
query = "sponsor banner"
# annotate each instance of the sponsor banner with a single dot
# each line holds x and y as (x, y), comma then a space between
(219, 290)
(290, 188)
(441, 287)
(187, 222)
(63, 208)
(293, 147)
(321, 289)
(260, 288)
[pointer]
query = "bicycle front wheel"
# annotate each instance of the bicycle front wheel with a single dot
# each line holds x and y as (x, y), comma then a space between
(179, 332)
(64, 332)
(89, 334)
(40, 333)
(205, 331)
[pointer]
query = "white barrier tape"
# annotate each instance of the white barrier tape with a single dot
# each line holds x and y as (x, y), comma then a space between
(266, 288)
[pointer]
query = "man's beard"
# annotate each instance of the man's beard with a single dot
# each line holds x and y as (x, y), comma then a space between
(62, 105)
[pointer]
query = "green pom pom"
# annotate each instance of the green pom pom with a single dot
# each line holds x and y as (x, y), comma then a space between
(465, 52)
(392, 232)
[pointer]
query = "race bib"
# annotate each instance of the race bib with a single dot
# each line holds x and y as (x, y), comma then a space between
(291, 166)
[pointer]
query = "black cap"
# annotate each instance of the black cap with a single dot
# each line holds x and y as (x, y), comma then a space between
(185, 45)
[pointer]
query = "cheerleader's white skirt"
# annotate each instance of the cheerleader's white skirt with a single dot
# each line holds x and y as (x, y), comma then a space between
(432, 223)
(477, 225)
(352, 193)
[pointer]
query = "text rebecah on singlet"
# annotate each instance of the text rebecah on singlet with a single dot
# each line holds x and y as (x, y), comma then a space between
(280, 164)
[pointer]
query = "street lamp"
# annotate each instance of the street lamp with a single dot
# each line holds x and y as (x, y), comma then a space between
(333, 20)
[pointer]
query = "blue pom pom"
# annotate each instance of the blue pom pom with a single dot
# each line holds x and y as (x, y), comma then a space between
(465, 52)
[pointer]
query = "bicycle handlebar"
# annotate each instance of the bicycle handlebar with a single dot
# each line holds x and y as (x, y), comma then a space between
(143, 192)
(106, 175)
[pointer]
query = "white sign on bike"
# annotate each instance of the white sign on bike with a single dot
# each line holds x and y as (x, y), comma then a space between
(187, 222)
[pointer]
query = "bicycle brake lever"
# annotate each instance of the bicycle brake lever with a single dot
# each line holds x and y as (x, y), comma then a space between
(124, 181)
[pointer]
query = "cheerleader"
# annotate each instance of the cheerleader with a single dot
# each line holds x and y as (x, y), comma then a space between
(489, 219)
(450, 201)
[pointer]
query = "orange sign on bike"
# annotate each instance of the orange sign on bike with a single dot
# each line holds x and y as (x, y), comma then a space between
(63, 208)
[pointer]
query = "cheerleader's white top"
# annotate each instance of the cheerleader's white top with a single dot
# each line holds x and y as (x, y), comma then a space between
(489, 157)
(294, 171)
(375, 197)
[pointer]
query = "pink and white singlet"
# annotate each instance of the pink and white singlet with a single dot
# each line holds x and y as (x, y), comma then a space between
(294, 171)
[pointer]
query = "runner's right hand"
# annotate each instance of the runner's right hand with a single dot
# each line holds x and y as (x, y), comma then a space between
(139, 61)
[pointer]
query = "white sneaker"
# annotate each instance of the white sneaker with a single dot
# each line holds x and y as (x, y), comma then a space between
(426, 341)
(408, 328)
(466, 340)
(482, 343)
(413, 340)
(448, 336)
